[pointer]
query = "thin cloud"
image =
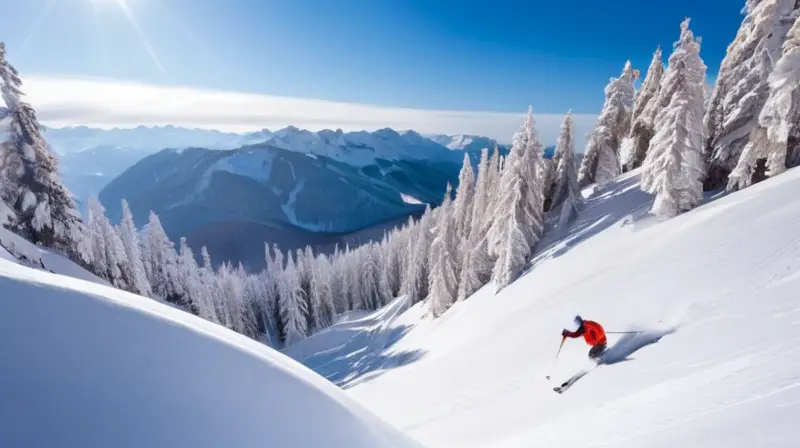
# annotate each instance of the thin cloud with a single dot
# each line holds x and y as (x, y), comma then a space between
(109, 103)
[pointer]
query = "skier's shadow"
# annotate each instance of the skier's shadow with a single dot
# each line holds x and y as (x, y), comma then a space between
(630, 343)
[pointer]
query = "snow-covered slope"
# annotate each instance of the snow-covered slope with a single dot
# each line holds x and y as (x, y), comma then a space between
(21, 251)
(718, 285)
(90, 366)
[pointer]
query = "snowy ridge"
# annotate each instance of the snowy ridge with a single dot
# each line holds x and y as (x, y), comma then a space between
(133, 372)
(717, 284)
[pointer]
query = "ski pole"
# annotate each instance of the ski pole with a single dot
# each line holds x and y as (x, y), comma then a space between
(563, 338)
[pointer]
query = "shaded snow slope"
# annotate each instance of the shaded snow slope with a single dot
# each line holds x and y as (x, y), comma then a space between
(21, 251)
(87, 365)
(352, 350)
(719, 284)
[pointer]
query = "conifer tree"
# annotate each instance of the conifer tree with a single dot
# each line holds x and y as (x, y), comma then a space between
(644, 113)
(208, 282)
(462, 208)
(534, 172)
(162, 260)
(391, 249)
(443, 278)
(195, 295)
(338, 281)
(130, 241)
(370, 277)
(566, 192)
(779, 120)
(510, 231)
(321, 291)
(674, 166)
(601, 161)
(292, 304)
(278, 266)
(415, 285)
(108, 251)
(741, 89)
(43, 209)
(481, 201)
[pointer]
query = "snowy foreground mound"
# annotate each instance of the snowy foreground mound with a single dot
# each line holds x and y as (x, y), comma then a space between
(85, 365)
(719, 284)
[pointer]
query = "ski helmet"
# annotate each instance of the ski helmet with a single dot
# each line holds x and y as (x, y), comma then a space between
(578, 320)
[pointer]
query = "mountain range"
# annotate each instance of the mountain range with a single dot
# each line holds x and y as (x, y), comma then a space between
(294, 187)
(90, 157)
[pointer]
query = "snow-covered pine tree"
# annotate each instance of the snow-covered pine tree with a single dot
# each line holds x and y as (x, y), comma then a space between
(644, 113)
(415, 284)
(481, 201)
(162, 259)
(130, 241)
(370, 277)
(509, 234)
(254, 292)
(476, 264)
(321, 276)
(750, 166)
(353, 266)
(231, 289)
(44, 211)
(535, 172)
(195, 296)
(443, 278)
(108, 252)
(338, 279)
(674, 166)
(512, 228)
(303, 265)
(100, 262)
(566, 192)
(292, 304)
(600, 163)
(464, 199)
(208, 281)
(265, 299)
(741, 89)
(781, 113)
(278, 269)
(775, 139)
(391, 251)
(246, 302)
(494, 174)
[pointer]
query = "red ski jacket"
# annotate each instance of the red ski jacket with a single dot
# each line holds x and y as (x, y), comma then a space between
(591, 331)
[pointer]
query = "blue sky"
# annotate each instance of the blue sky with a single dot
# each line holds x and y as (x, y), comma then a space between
(496, 56)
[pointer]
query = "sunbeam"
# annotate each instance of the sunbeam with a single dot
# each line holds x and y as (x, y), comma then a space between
(135, 23)
(123, 5)
(37, 25)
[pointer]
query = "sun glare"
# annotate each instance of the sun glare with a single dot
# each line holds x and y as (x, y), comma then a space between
(123, 5)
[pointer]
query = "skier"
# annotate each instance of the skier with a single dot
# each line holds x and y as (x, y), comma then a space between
(592, 333)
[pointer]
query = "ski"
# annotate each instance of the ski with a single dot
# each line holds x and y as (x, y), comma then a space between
(567, 384)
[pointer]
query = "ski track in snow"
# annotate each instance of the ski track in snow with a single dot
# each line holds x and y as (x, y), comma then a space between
(719, 282)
